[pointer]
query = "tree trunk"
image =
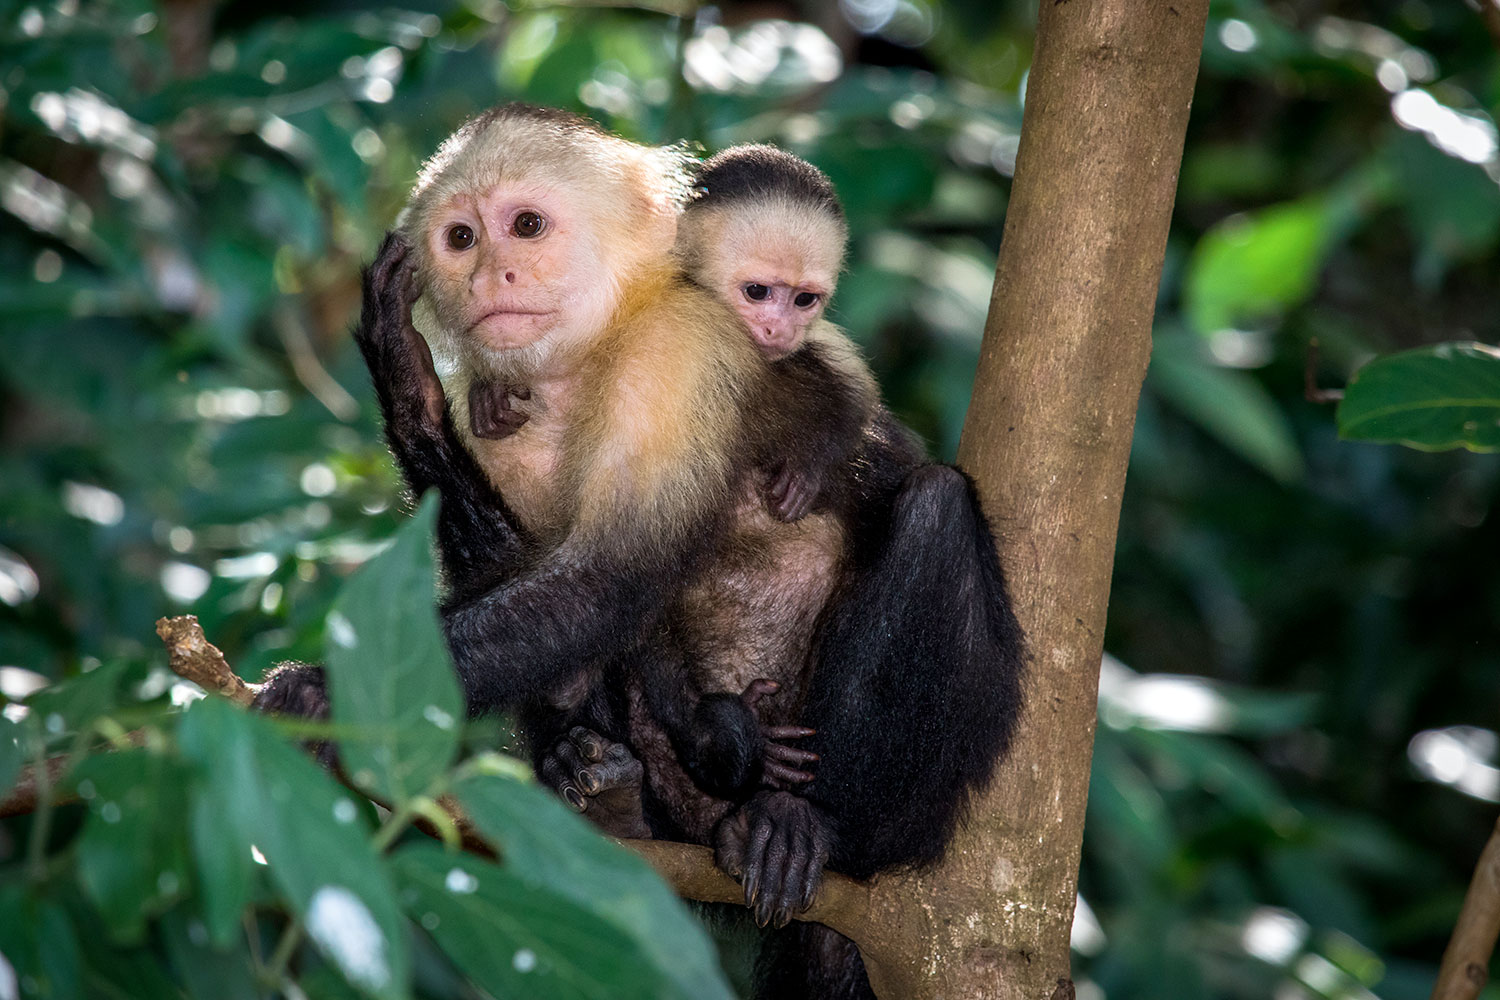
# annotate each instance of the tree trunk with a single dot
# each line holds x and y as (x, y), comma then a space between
(1047, 439)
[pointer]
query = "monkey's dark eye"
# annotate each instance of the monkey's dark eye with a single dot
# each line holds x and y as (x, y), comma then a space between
(805, 300)
(528, 225)
(757, 293)
(460, 237)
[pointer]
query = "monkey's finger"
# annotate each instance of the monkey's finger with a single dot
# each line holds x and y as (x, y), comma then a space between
(788, 732)
(519, 391)
(791, 755)
(778, 857)
(785, 775)
(590, 745)
(392, 252)
(555, 774)
(755, 860)
(577, 769)
(758, 689)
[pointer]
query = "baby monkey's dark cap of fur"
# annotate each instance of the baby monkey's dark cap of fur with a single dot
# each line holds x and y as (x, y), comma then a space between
(757, 172)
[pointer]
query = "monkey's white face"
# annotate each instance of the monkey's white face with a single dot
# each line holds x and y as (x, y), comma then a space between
(516, 267)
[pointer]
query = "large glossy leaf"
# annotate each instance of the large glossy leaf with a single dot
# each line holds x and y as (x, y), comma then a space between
(557, 849)
(1228, 404)
(1431, 398)
(516, 935)
(260, 791)
(133, 853)
(393, 688)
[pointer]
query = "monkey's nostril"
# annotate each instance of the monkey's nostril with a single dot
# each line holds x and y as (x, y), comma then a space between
(510, 277)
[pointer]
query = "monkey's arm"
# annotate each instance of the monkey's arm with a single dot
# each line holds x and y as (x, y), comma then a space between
(815, 415)
(477, 535)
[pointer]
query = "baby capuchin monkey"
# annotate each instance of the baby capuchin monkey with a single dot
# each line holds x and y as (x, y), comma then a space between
(765, 232)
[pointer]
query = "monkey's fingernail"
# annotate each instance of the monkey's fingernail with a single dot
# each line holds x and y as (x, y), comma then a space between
(574, 799)
(588, 783)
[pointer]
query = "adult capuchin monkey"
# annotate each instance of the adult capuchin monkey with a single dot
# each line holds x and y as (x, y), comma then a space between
(540, 246)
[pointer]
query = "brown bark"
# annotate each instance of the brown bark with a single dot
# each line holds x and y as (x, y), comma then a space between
(1048, 438)
(1466, 961)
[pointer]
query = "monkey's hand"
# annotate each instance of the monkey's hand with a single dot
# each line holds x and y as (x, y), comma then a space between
(783, 766)
(599, 778)
(299, 689)
(791, 493)
(776, 846)
(490, 412)
(400, 362)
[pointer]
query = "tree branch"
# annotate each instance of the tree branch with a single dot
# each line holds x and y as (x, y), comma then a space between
(192, 657)
(1466, 962)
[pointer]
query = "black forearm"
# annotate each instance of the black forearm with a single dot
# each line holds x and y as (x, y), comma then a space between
(531, 635)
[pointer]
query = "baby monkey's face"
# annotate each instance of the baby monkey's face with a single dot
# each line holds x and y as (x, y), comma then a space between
(776, 311)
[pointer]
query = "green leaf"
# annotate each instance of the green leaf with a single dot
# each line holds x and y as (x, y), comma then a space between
(389, 676)
(75, 703)
(1229, 405)
(1252, 267)
(39, 942)
(1432, 398)
(204, 971)
(559, 850)
(516, 935)
(225, 870)
(133, 852)
(260, 791)
(1450, 205)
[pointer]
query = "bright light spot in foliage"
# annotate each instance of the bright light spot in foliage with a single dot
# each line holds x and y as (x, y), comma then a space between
(1468, 137)
(345, 811)
(1159, 701)
(1460, 757)
(183, 582)
(93, 503)
(1273, 935)
(525, 960)
(1237, 36)
(10, 989)
(1087, 937)
(318, 480)
(461, 882)
(17, 683)
(341, 631)
(347, 933)
(437, 717)
(778, 53)
(256, 856)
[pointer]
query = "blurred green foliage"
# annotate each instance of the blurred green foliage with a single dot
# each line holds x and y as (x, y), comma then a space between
(1296, 769)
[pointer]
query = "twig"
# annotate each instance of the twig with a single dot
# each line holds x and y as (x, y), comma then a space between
(192, 657)
(1310, 387)
(1466, 962)
(309, 369)
(689, 869)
